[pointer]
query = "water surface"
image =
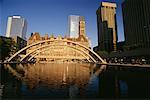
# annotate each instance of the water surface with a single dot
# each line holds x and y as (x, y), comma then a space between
(73, 80)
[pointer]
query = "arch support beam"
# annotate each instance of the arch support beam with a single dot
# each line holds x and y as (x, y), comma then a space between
(80, 51)
(56, 40)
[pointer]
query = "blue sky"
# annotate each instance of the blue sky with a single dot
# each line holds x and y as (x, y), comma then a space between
(51, 16)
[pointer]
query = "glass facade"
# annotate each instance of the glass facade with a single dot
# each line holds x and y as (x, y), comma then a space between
(136, 18)
(16, 26)
(73, 26)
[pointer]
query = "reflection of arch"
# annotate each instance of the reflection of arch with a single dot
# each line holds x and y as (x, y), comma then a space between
(59, 40)
(13, 71)
(77, 50)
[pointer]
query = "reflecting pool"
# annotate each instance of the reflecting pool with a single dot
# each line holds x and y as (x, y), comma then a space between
(73, 80)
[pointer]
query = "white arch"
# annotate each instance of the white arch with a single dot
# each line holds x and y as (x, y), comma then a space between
(77, 50)
(58, 45)
(63, 40)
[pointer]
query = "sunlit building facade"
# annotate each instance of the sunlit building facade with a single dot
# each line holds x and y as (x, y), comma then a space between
(16, 26)
(59, 51)
(107, 28)
(63, 51)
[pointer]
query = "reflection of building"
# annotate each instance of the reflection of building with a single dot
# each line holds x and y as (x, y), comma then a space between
(136, 17)
(57, 76)
(106, 21)
(76, 26)
(16, 26)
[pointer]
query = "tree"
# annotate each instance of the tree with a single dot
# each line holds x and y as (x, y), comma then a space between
(7, 47)
(103, 54)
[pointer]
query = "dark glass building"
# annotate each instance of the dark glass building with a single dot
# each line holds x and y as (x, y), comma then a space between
(136, 18)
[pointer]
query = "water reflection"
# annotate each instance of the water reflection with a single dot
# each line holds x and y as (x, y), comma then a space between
(72, 80)
(92, 89)
(66, 79)
(55, 76)
(123, 88)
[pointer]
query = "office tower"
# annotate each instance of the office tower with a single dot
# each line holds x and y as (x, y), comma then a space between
(73, 26)
(16, 26)
(0, 24)
(76, 26)
(136, 19)
(107, 29)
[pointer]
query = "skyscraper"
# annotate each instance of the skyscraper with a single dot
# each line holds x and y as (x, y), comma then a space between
(136, 18)
(16, 26)
(107, 29)
(0, 17)
(73, 26)
(76, 26)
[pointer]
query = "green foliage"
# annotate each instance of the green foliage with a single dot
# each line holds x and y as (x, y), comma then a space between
(132, 46)
(7, 47)
(103, 54)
